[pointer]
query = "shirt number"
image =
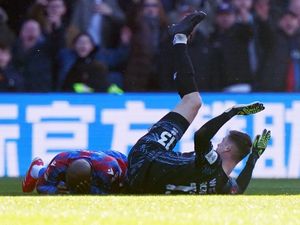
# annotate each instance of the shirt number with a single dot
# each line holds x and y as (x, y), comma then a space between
(166, 139)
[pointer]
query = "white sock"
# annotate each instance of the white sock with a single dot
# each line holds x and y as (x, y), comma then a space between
(180, 39)
(35, 171)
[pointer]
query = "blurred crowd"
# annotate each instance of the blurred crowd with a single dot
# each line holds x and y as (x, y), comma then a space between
(123, 45)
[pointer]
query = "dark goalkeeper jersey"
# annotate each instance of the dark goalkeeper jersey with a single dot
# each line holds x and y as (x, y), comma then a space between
(154, 168)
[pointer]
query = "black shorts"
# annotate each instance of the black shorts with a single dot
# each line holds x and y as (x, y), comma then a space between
(152, 165)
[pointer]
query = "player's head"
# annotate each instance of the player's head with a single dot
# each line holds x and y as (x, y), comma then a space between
(78, 176)
(235, 146)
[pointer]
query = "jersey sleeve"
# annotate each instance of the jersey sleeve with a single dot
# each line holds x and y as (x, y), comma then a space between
(245, 176)
(117, 155)
(122, 161)
(239, 185)
(107, 177)
(202, 138)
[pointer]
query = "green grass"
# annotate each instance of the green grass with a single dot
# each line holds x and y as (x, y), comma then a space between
(266, 202)
(150, 210)
(12, 186)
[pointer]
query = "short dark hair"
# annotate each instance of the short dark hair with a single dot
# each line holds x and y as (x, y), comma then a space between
(242, 141)
(78, 171)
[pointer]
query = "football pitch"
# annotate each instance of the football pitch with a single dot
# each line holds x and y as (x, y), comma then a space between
(266, 202)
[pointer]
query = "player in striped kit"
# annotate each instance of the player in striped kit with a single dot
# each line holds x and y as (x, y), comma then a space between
(78, 172)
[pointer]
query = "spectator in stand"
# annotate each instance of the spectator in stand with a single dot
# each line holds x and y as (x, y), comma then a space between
(10, 79)
(231, 65)
(294, 6)
(32, 57)
(102, 19)
(88, 68)
(50, 14)
(226, 46)
(246, 19)
(276, 8)
(86, 74)
(199, 51)
(149, 33)
(263, 25)
(16, 11)
(281, 70)
(168, 5)
(6, 35)
(127, 5)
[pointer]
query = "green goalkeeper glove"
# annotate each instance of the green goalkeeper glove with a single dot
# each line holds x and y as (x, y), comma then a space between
(247, 109)
(260, 143)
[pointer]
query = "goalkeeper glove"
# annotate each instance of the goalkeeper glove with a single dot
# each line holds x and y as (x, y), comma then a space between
(247, 109)
(260, 143)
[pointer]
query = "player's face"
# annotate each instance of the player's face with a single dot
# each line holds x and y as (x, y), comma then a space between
(223, 145)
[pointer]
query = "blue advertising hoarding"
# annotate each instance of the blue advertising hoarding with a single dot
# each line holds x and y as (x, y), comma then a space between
(46, 124)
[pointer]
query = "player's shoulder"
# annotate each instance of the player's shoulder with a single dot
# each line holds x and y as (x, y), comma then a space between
(115, 154)
(102, 156)
(63, 155)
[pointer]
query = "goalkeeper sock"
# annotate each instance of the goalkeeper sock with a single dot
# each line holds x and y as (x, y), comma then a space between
(185, 74)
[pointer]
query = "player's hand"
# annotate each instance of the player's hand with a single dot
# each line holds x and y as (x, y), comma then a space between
(260, 143)
(62, 188)
(83, 187)
(248, 109)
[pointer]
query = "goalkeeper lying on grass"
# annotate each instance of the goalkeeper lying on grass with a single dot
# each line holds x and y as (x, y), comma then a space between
(153, 168)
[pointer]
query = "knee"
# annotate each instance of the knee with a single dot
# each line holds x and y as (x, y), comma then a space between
(194, 101)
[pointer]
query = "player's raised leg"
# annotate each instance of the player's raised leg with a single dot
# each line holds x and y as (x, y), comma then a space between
(153, 152)
(169, 130)
(185, 75)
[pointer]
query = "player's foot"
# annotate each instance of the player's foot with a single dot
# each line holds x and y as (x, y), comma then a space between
(187, 25)
(28, 184)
